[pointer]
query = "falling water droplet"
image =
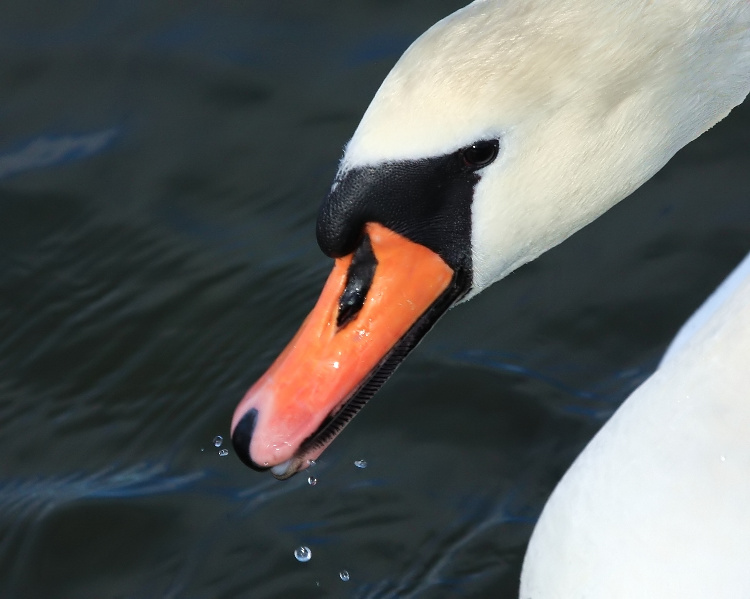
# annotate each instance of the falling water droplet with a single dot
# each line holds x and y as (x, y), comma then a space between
(344, 575)
(303, 554)
(218, 440)
(223, 452)
(360, 464)
(312, 481)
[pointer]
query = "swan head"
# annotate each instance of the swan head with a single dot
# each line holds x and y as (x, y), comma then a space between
(501, 131)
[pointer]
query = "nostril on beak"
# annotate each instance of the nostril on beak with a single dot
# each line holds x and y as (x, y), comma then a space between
(241, 437)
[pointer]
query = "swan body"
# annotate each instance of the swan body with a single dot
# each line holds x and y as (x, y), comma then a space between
(505, 128)
(656, 505)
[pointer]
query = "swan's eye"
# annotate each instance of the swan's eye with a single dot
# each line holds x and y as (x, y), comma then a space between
(481, 153)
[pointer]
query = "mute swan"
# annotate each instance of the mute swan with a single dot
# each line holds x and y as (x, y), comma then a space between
(502, 130)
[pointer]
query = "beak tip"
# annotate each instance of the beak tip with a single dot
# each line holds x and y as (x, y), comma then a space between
(287, 469)
(241, 437)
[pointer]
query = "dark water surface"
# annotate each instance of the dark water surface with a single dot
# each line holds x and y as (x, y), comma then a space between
(161, 166)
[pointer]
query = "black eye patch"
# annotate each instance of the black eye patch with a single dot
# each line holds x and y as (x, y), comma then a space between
(358, 282)
(426, 200)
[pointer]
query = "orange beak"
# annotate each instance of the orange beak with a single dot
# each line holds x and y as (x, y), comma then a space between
(330, 368)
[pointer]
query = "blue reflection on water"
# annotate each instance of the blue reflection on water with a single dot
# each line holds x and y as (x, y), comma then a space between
(138, 480)
(51, 150)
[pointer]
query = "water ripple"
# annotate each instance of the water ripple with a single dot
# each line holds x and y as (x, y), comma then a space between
(608, 391)
(48, 150)
(26, 495)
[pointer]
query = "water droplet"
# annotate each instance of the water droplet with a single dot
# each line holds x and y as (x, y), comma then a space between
(312, 481)
(218, 440)
(223, 452)
(723, 458)
(202, 449)
(360, 464)
(303, 554)
(313, 463)
(335, 364)
(344, 575)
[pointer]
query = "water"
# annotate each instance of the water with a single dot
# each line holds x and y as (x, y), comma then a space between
(361, 464)
(160, 172)
(218, 440)
(344, 575)
(303, 554)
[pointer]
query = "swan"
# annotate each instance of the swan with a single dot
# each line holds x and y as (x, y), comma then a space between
(500, 132)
